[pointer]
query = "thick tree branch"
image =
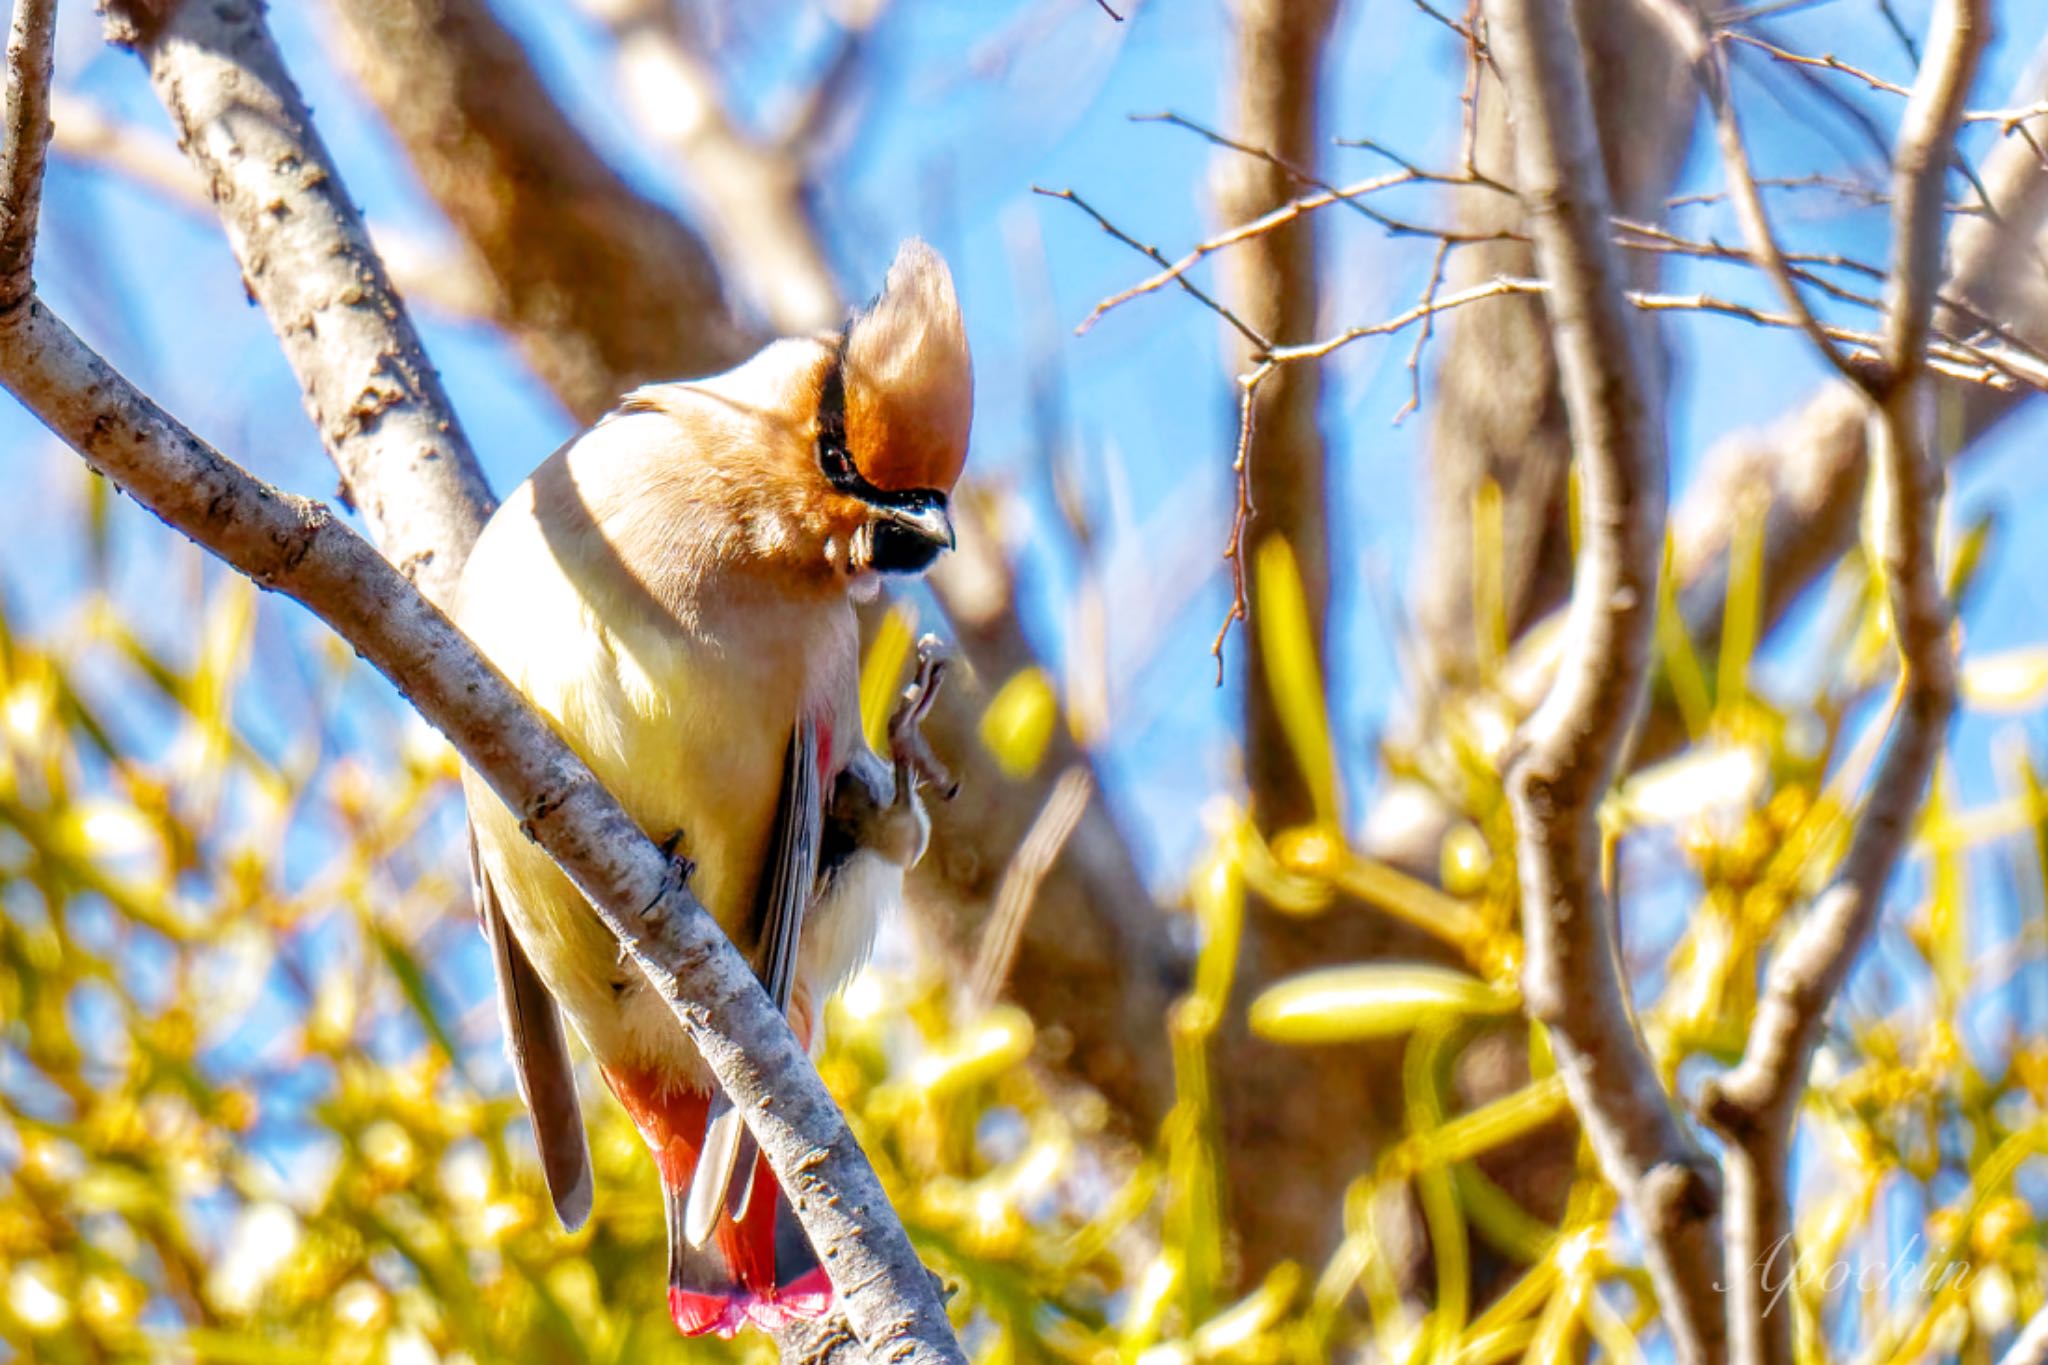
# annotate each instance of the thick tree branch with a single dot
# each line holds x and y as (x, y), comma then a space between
(1756, 1104)
(1569, 750)
(306, 258)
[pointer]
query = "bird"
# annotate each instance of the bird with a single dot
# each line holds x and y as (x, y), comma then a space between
(675, 590)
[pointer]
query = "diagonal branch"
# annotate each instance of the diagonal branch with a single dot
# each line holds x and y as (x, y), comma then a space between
(1756, 1104)
(1569, 750)
(307, 259)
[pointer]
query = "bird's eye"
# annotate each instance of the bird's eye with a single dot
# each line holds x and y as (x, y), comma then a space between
(837, 463)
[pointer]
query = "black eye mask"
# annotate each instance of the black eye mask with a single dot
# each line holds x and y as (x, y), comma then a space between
(835, 458)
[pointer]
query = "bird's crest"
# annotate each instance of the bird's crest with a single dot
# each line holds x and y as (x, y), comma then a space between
(909, 380)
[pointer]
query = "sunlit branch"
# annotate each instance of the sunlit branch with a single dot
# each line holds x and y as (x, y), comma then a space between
(1568, 751)
(307, 260)
(1755, 1105)
(24, 143)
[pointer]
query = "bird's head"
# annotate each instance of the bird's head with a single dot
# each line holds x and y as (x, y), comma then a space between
(895, 399)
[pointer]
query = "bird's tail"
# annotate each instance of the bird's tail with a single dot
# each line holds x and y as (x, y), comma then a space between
(756, 1267)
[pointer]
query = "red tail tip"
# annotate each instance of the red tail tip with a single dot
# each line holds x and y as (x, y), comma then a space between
(805, 1299)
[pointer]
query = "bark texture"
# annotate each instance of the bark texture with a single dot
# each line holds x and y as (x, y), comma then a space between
(306, 259)
(1567, 753)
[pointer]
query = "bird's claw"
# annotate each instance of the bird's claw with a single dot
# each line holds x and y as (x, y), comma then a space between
(680, 870)
(908, 749)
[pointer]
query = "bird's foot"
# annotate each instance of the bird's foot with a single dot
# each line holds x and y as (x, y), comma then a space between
(908, 749)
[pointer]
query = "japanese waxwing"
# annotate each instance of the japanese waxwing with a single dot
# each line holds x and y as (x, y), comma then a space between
(674, 589)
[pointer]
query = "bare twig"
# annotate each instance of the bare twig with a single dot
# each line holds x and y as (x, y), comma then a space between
(1998, 367)
(1436, 279)
(1824, 62)
(1866, 194)
(2006, 118)
(1287, 213)
(307, 259)
(1711, 67)
(1241, 513)
(1569, 749)
(1243, 328)
(1754, 1105)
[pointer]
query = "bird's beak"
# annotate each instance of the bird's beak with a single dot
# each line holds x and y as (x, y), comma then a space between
(929, 522)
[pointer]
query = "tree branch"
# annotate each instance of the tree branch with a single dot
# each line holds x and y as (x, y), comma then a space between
(1756, 1104)
(24, 143)
(306, 258)
(1569, 750)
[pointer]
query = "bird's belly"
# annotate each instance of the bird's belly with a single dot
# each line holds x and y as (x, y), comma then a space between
(687, 746)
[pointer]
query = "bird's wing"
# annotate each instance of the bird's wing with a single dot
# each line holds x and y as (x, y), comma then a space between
(785, 892)
(539, 1051)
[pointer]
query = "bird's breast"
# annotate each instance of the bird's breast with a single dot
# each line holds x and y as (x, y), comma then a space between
(686, 721)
